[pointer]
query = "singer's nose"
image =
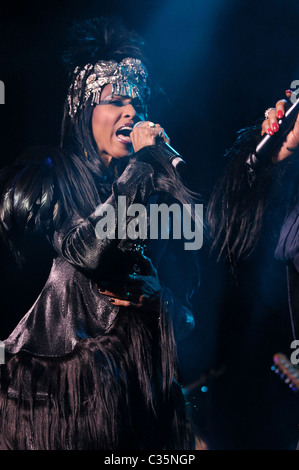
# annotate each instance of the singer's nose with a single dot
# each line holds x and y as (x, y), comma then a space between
(134, 111)
(129, 111)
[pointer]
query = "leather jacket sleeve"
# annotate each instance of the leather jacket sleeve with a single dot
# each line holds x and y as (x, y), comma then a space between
(288, 244)
(80, 246)
(77, 241)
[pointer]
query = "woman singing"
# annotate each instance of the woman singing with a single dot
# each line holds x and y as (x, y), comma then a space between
(92, 364)
(238, 203)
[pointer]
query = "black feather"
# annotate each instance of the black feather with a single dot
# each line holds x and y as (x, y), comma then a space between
(38, 192)
(104, 38)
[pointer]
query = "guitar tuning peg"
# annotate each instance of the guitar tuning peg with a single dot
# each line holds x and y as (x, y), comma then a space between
(286, 371)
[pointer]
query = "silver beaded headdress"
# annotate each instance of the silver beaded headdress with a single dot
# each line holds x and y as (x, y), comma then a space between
(128, 78)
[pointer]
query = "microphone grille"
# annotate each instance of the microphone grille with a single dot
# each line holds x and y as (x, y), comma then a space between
(138, 124)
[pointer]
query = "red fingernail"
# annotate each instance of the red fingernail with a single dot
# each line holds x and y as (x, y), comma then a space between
(288, 91)
(279, 114)
(274, 127)
(270, 131)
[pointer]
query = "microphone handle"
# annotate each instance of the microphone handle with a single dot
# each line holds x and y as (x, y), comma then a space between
(172, 155)
(268, 143)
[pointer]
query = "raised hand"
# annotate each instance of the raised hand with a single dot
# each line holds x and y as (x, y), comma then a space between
(146, 133)
(271, 126)
(138, 291)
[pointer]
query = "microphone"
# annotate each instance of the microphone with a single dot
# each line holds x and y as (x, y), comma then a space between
(269, 142)
(172, 156)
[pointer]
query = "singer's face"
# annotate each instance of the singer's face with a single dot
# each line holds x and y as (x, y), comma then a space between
(112, 121)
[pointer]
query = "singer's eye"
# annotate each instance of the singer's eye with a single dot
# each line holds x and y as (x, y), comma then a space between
(116, 103)
(139, 108)
(120, 102)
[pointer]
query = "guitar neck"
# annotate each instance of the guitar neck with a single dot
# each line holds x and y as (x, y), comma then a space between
(287, 371)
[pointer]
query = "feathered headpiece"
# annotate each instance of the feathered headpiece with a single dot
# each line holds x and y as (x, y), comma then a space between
(103, 51)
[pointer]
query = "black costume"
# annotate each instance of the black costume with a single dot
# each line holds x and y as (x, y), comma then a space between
(81, 373)
(238, 205)
(288, 250)
(288, 244)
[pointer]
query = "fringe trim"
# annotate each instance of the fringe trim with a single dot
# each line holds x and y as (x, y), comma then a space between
(113, 392)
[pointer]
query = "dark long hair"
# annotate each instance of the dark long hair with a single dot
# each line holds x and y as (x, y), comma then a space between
(87, 42)
(236, 208)
(47, 185)
(106, 38)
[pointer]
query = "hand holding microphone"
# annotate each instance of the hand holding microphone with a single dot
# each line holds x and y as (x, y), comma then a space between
(146, 133)
(280, 131)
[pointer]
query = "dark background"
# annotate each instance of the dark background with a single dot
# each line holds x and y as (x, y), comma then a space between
(221, 64)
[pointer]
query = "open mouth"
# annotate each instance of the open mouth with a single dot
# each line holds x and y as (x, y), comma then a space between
(123, 134)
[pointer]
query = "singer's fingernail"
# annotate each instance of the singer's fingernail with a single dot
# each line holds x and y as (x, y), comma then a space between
(275, 127)
(280, 114)
(289, 91)
(270, 131)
